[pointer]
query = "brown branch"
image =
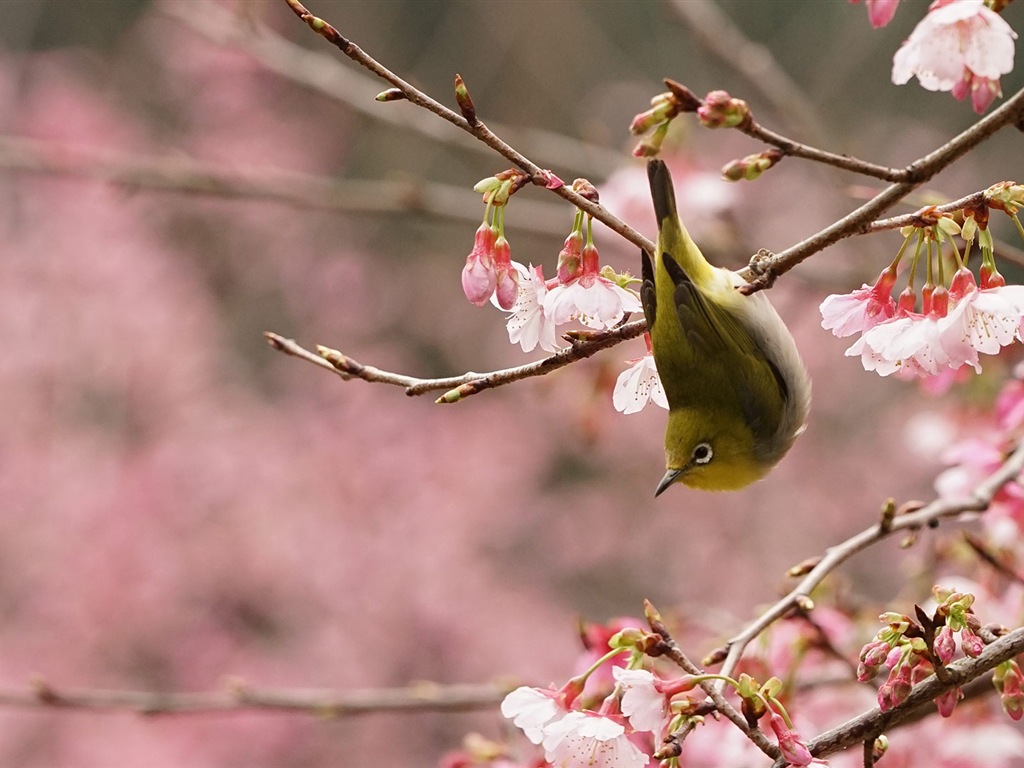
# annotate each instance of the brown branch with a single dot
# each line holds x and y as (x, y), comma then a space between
(187, 175)
(979, 501)
(464, 385)
(239, 697)
(538, 175)
(917, 173)
(874, 722)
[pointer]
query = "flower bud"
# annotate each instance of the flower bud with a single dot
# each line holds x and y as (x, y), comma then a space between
(720, 110)
(751, 166)
(569, 257)
(945, 646)
(479, 277)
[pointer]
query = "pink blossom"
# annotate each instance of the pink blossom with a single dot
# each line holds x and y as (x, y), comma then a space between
(985, 320)
(531, 709)
(527, 324)
(880, 12)
(850, 313)
(643, 704)
(479, 276)
(590, 740)
(591, 298)
(955, 46)
(638, 385)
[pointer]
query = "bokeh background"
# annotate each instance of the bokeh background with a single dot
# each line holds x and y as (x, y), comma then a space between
(180, 503)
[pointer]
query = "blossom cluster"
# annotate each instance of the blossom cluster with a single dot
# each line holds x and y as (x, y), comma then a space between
(955, 324)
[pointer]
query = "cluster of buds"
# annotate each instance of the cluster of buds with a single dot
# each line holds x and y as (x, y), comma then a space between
(958, 319)
(489, 271)
(902, 646)
(716, 110)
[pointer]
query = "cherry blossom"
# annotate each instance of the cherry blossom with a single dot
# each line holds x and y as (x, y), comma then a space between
(527, 323)
(960, 46)
(638, 385)
(591, 298)
(531, 709)
(643, 704)
(479, 276)
(850, 313)
(590, 740)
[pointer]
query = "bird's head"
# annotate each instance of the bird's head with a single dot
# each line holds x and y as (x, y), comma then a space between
(712, 451)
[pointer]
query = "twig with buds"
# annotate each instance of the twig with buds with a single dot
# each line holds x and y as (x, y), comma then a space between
(459, 387)
(913, 520)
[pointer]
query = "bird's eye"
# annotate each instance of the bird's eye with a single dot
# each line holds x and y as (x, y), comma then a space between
(702, 453)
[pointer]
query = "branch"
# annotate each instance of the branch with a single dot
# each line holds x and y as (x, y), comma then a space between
(476, 128)
(187, 175)
(870, 724)
(799, 596)
(917, 173)
(459, 387)
(239, 697)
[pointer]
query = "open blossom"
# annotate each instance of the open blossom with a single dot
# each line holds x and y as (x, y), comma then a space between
(960, 46)
(590, 740)
(591, 298)
(643, 704)
(849, 313)
(528, 325)
(531, 709)
(638, 385)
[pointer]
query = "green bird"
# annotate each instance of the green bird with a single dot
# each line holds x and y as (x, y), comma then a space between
(738, 393)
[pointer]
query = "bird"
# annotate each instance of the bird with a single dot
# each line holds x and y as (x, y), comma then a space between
(738, 392)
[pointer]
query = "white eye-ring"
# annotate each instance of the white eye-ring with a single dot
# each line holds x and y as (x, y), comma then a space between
(702, 453)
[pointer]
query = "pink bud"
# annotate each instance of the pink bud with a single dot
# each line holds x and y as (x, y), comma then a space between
(479, 277)
(945, 646)
(507, 289)
(946, 703)
(962, 284)
(795, 751)
(990, 277)
(971, 643)
(569, 257)
(1011, 694)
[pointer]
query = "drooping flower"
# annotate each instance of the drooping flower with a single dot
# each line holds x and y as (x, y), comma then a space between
(643, 704)
(590, 740)
(985, 320)
(506, 288)
(638, 385)
(479, 276)
(527, 324)
(793, 750)
(849, 313)
(960, 46)
(591, 298)
(531, 709)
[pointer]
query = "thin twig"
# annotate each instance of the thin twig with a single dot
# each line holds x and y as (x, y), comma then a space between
(917, 173)
(979, 501)
(239, 697)
(538, 175)
(458, 387)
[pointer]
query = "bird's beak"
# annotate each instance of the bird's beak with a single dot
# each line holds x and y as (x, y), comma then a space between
(670, 477)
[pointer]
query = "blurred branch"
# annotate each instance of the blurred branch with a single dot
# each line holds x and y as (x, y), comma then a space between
(539, 176)
(716, 33)
(913, 519)
(325, 75)
(582, 346)
(238, 697)
(187, 175)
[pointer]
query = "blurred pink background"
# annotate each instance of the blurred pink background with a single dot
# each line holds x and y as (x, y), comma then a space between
(179, 503)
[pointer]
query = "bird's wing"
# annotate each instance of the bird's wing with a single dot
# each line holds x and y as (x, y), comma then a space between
(716, 336)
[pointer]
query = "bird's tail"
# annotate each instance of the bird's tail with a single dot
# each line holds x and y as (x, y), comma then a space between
(672, 235)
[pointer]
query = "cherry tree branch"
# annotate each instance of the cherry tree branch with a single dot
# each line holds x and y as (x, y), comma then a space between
(474, 126)
(187, 175)
(582, 345)
(239, 697)
(913, 519)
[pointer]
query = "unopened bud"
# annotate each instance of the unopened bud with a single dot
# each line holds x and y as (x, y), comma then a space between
(465, 100)
(586, 190)
(720, 110)
(687, 100)
(802, 569)
(751, 166)
(391, 94)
